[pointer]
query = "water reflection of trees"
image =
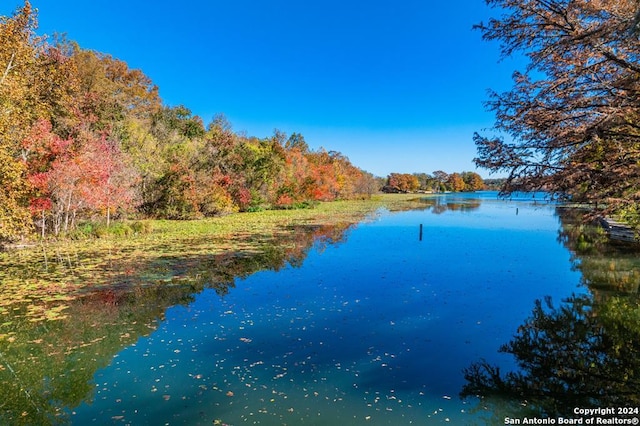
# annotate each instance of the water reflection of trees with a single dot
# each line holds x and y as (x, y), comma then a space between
(439, 205)
(578, 354)
(583, 352)
(607, 266)
(47, 367)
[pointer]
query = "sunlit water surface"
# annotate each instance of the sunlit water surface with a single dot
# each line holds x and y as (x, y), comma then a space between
(374, 330)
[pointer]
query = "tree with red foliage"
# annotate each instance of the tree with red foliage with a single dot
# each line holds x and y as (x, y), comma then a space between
(41, 148)
(108, 184)
(66, 176)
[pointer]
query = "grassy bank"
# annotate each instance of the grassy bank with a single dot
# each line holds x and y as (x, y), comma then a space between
(351, 211)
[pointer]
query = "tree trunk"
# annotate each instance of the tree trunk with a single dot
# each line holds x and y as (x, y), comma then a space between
(9, 66)
(66, 214)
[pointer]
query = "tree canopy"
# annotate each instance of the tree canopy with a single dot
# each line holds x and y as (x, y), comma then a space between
(570, 124)
(85, 137)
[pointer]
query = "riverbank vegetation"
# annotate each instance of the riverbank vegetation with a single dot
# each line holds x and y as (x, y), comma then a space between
(85, 139)
(570, 123)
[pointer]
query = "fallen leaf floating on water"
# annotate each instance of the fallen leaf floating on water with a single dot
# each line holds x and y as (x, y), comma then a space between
(229, 394)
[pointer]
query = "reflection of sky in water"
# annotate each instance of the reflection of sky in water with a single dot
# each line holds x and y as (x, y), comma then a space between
(373, 331)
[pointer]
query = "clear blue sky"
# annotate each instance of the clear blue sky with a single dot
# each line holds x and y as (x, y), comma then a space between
(397, 86)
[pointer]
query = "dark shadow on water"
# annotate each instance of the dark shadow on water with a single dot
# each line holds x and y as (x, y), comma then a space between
(582, 352)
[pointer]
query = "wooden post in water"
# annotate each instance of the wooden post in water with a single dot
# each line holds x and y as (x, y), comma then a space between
(420, 232)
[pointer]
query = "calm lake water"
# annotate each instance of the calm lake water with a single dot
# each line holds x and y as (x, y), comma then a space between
(375, 328)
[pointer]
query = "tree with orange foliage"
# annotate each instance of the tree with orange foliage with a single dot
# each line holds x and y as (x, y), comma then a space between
(403, 182)
(472, 181)
(18, 110)
(572, 117)
(455, 182)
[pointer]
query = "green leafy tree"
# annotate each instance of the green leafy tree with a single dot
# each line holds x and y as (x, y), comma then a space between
(264, 166)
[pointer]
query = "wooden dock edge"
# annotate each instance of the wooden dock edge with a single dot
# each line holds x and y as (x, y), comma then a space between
(618, 230)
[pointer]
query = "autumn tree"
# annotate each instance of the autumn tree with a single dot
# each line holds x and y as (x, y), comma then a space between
(69, 176)
(366, 184)
(297, 141)
(322, 184)
(472, 181)
(189, 179)
(58, 84)
(39, 151)
(14, 216)
(427, 182)
(18, 107)
(319, 175)
(570, 124)
(110, 92)
(36, 84)
(222, 165)
(296, 180)
(404, 182)
(108, 184)
(19, 101)
(455, 182)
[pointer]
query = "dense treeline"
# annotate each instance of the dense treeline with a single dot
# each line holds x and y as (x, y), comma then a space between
(439, 181)
(84, 137)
